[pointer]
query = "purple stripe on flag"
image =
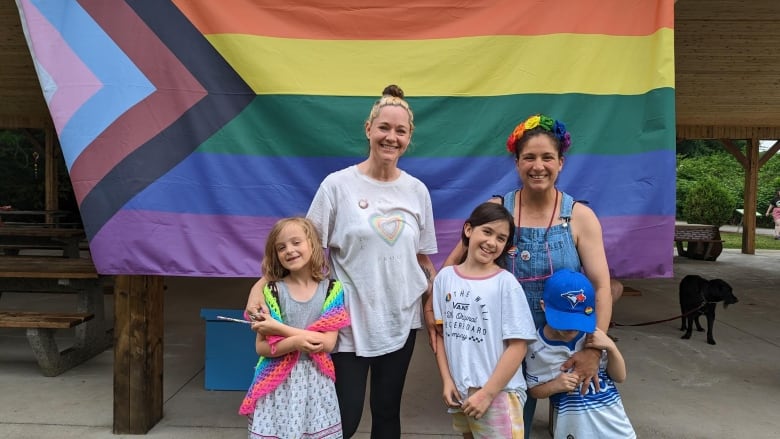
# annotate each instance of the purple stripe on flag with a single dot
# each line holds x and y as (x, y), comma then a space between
(447, 235)
(180, 244)
(147, 242)
(164, 243)
(639, 246)
(636, 246)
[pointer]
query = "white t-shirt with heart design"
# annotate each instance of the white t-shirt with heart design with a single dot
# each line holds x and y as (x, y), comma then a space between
(374, 231)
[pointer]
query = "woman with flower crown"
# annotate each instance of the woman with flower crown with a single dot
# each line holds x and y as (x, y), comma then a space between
(553, 232)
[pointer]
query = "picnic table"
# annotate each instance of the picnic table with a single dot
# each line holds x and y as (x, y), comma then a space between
(51, 274)
(43, 216)
(698, 241)
(15, 237)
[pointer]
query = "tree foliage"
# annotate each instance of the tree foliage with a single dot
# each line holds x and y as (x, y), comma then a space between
(700, 159)
(708, 202)
(718, 164)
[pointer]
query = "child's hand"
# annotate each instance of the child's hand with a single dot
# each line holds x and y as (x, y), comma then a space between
(599, 340)
(316, 339)
(477, 404)
(451, 396)
(257, 313)
(267, 326)
(566, 382)
(309, 343)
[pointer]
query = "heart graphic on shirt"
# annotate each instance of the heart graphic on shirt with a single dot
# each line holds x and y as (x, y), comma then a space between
(389, 226)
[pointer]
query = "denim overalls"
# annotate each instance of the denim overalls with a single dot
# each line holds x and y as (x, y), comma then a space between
(531, 258)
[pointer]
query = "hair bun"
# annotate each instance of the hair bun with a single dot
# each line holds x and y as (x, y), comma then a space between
(394, 91)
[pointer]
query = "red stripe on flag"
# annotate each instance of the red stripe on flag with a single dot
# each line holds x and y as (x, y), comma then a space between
(431, 19)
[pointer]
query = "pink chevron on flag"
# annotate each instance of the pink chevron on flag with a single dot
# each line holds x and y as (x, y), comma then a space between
(54, 56)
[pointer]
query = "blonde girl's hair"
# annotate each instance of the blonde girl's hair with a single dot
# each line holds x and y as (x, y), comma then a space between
(391, 95)
(272, 266)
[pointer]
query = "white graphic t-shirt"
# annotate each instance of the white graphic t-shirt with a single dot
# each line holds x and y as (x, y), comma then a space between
(477, 315)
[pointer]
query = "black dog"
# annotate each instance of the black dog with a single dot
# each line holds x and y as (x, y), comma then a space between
(700, 296)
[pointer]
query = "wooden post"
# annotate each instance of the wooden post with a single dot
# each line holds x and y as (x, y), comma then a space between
(138, 353)
(751, 188)
(750, 165)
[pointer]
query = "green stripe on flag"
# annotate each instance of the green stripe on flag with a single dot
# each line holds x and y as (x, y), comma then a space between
(291, 125)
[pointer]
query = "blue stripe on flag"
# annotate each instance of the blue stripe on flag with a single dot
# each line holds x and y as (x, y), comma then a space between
(221, 184)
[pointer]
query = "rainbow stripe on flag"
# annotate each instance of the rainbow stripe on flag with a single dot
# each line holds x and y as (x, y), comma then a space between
(190, 126)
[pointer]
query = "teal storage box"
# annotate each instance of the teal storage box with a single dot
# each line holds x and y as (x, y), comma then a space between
(230, 351)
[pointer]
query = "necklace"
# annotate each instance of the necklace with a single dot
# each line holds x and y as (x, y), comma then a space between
(525, 255)
(552, 215)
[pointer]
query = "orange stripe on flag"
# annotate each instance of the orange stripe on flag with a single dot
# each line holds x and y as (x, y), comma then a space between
(431, 19)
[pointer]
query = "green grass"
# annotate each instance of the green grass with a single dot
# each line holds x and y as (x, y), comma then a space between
(763, 242)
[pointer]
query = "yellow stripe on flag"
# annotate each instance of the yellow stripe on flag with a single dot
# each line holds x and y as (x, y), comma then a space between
(473, 66)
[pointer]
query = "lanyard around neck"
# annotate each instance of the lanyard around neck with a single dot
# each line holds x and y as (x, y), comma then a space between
(552, 215)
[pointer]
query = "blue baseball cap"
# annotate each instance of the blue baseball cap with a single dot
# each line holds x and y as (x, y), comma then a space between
(570, 302)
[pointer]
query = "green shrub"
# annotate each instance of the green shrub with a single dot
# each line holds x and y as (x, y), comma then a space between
(708, 202)
(691, 170)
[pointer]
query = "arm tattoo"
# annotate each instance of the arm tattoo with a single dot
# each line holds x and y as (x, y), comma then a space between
(426, 271)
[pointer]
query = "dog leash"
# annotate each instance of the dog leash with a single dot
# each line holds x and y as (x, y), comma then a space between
(664, 320)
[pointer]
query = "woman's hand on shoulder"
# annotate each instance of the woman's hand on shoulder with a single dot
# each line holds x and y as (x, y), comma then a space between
(585, 364)
(255, 304)
(497, 199)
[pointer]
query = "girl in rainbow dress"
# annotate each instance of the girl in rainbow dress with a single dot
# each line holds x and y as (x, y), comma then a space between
(292, 394)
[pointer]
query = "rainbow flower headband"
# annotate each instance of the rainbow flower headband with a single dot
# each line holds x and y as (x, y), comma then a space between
(558, 129)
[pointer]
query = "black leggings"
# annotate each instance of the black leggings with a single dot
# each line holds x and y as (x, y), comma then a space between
(388, 374)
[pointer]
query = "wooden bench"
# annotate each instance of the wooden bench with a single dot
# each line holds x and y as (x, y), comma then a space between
(48, 274)
(40, 333)
(47, 267)
(698, 241)
(15, 249)
(20, 236)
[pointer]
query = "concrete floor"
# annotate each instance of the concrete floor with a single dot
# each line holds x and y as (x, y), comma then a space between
(675, 388)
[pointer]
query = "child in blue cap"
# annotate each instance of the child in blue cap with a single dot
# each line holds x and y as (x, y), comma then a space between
(569, 304)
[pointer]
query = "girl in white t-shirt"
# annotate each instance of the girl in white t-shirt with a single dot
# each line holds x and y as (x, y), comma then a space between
(486, 324)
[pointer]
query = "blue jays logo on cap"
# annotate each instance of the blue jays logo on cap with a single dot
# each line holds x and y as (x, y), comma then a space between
(574, 297)
(569, 301)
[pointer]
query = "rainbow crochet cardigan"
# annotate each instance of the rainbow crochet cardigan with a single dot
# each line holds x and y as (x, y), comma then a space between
(270, 372)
